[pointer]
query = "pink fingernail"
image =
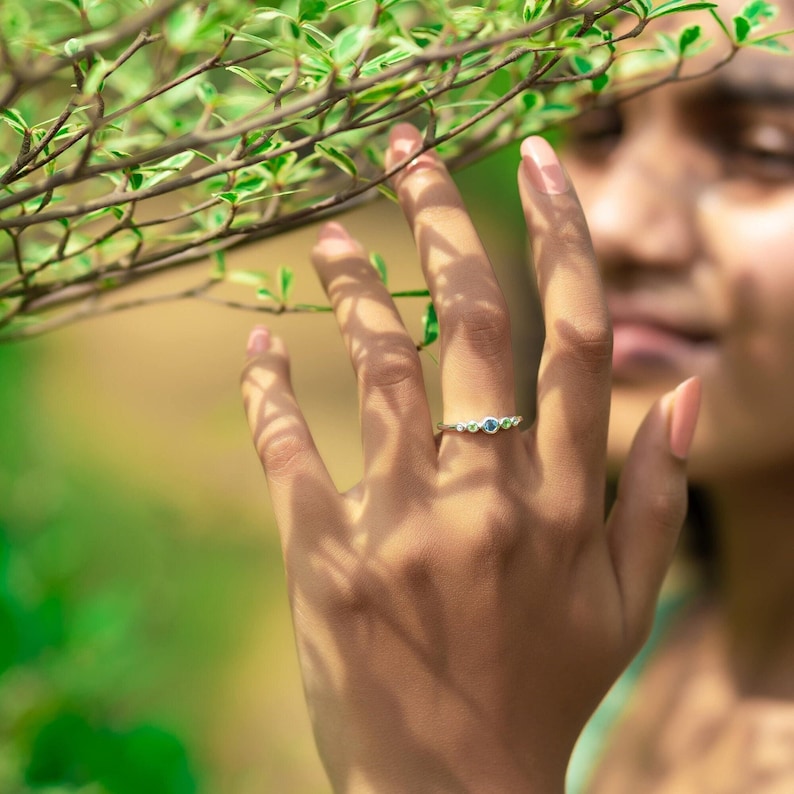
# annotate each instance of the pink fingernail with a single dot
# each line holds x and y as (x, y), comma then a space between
(684, 417)
(543, 167)
(258, 340)
(404, 141)
(333, 239)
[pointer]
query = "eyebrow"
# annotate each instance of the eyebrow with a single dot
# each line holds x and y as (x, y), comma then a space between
(746, 90)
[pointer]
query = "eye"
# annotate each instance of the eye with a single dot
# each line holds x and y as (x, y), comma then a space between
(764, 152)
(596, 132)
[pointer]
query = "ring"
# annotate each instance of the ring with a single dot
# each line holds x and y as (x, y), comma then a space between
(490, 424)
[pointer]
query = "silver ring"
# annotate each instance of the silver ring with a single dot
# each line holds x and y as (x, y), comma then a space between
(490, 425)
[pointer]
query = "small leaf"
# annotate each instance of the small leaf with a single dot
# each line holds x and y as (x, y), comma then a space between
(429, 325)
(285, 276)
(379, 263)
(600, 83)
(758, 12)
(311, 10)
(741, 27)
(338, 158)
(674, 6)
(14, 119)
(349, 43)
(72, 47)
(249, 278)
(771, 44)
(247, 74)
(181, 26)
(688, 37)
(219, 271)
(266, 294)
(206, 93)
(411, 293)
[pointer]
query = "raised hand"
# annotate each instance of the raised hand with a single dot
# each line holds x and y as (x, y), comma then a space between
(460, 612)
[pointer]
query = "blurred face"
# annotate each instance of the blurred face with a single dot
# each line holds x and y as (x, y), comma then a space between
(689, 192)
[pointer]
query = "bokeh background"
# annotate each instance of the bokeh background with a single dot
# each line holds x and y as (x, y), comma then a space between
(145, 640)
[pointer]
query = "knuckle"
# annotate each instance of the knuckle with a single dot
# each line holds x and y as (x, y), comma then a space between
(395, 369)
(487, 327)
(281, 451)
(587, 340)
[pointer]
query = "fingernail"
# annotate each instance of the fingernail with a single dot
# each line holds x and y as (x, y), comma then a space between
(684, 417)
(258, 340)
(542, 166)
(333, 239)
(404, 141)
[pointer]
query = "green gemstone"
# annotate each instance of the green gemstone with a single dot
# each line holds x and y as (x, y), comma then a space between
(506, 423)
(472, 427)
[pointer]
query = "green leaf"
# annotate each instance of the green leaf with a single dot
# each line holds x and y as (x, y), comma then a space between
(14, 119)
(349, 43)
(266, 294)
(285, 277)
(771, 44)
(741, 27)
(247, 74)
(249, 278)
(311, 10)
(674, 6)
(688, 37)
(600, 83)
(429, 325)
(72, 47)
(338, 158)
(206, 93)
(379, 263)
(758, 12)
(411, 293)
(535, 9)
(181, 25)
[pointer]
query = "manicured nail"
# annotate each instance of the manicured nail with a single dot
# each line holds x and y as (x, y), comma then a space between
(684, 417)
(404, 141)
(542, 166)
(334, 239)
(258, 340)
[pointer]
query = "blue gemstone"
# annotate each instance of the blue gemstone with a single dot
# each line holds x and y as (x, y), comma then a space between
(490, 424)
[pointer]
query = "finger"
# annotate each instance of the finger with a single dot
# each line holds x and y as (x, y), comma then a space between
(645, 521)
(474, 327)
(300, 486)
(395, 418)
(575, 369)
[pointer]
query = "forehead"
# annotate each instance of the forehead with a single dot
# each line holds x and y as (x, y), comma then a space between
(753, 73)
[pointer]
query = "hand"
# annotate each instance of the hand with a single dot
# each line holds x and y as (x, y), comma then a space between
(461, 611)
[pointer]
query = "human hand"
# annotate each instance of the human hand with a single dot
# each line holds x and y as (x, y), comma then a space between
(460, 612)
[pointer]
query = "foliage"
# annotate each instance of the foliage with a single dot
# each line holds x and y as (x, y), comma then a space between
(140, 135)
(114, 626)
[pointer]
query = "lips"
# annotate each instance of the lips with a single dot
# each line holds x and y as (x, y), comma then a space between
(656, 341)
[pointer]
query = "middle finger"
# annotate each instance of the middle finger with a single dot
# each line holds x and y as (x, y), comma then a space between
(474, 327)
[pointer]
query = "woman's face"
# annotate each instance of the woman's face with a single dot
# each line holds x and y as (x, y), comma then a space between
(689, 192)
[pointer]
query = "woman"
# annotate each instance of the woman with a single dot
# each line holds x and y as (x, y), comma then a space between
(460, 613)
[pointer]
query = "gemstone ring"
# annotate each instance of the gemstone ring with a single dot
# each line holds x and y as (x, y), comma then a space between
(490, 425)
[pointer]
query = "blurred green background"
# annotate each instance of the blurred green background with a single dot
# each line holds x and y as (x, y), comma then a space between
(145, 641)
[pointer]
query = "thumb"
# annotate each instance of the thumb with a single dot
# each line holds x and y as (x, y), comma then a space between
(645, 521)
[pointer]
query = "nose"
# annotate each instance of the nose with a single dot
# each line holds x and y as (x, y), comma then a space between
(642, 209)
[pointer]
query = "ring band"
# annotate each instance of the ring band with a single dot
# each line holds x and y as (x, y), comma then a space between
(490, 425)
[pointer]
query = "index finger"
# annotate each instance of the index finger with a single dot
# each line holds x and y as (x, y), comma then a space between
(574, 380)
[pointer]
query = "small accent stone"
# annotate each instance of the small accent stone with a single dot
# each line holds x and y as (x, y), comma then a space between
(460, 427)
(514, 420)
(472, 427)
(506, 423)
(490, 424)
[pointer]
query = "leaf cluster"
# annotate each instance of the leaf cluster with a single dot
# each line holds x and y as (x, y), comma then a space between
(139, 136)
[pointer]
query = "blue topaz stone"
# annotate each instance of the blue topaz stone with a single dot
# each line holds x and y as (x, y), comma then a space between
(490, 424)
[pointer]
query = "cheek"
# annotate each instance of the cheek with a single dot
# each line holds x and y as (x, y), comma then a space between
(750, 241)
